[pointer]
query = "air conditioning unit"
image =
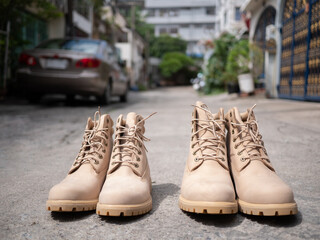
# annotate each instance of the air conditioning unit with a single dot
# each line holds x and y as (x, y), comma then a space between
(271, 32)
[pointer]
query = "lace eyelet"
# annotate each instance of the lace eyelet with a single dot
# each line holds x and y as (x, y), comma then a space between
(136, 165)
(193, 153)
(196, 159)
(103, 150)
(113, 157)
(138, 159)
(96, 162)
(239, 153)
(100, 156)
(233, 140)
(232, 131)
(139, 152)
(243, 159)
(113, 163)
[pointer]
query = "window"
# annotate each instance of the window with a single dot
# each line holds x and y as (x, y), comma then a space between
(173, 13)
(151, 13)
(238, 14)
(163, 12)
(77, 45)
(198, 25)
(174, 30)
(163, 30)
(210, 26)
(211, 10)
(225, 18)
(184, 25)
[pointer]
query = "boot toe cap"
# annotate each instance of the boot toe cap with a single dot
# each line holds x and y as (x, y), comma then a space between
(208, 192)
(70, 192)
(124, 193)
(268, 194)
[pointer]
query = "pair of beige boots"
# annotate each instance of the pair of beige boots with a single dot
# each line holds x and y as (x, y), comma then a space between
(112, 177)
(115, 179)
(224, 172)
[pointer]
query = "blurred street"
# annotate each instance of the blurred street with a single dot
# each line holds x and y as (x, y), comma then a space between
(38, 144)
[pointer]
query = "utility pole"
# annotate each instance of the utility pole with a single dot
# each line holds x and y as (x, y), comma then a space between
(133, 27)
(5, 71)
(69, 20)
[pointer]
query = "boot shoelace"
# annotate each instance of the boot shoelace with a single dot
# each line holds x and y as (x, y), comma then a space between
(252, 139)
(91, 144)
(134, 136)
(215, 142)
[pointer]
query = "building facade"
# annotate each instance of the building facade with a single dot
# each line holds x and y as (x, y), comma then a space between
(287, 31)
(231, 17)
(131, 46)
(194, 21)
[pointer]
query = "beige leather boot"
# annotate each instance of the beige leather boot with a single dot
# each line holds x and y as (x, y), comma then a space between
(127, 189)
(79, 191)
(260, 191)
(206, 185)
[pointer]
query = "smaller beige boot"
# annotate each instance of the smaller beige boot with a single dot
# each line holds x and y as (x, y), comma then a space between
(259, 189)
(79, 191)
(207, 186)
(127, 188)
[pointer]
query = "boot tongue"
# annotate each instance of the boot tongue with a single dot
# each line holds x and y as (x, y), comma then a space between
(130, 123)
(90, 124)
(101, 122)
(131, 120)
(204, 116)
(244, 118)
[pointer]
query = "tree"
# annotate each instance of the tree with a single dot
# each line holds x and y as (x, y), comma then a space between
(165, 44)
(174, 62)
(218, 61)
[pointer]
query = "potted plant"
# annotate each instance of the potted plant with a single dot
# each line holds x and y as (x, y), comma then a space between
(231, 81)
(238, 64)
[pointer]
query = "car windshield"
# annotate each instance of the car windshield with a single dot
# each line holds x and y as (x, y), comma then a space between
(78, 45)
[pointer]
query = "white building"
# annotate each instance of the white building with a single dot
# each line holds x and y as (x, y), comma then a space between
(195, 21)
(262, 16)
(131, 46)
(230, 17)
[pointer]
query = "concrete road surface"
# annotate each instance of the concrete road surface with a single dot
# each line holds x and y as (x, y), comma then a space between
(38, 144)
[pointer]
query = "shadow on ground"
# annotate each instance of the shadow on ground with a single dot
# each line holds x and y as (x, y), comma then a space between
(279, 221)
(222, 221)
(236, 219)
(70, 216)
(159, 193)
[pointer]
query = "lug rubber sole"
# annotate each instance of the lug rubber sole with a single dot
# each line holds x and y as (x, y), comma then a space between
(208, 207)
(71, 205)
(268, 209)
(124, 210)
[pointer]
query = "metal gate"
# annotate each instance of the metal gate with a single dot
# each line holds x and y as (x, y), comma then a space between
(300, 57)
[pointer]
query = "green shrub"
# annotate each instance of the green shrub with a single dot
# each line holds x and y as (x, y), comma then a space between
(174, 62)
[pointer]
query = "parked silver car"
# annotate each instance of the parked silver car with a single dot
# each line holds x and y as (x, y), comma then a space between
(73, 66)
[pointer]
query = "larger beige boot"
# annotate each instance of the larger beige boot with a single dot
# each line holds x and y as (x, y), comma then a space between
(207, 185)
(260, 191)
(79, 191)
(127, 189)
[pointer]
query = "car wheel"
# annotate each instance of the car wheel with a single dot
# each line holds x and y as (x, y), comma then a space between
(124, 97)
(70, 99)
(34, 98)
(105, 98)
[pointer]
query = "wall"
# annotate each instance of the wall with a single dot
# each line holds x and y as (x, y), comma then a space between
(56, 28)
